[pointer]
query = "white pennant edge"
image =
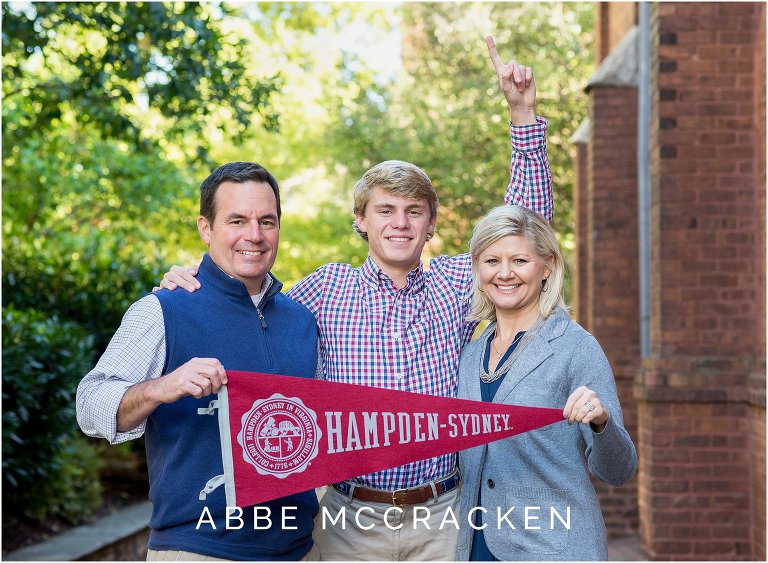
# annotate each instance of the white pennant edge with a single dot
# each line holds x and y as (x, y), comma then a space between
(225, 438)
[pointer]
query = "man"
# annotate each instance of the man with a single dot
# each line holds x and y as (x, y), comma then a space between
(391, 324)
(169, 356)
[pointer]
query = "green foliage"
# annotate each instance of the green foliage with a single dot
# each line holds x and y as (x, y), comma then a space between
(318, 77)
(72, 491)
(46, 470)
(90, 281)
(446, 112)
(70, 180)
(114, 65)
(308, 242)
(86, 205)
(82, 220)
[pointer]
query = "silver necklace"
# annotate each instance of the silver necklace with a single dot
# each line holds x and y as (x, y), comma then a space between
(492, 375)
(514, 341)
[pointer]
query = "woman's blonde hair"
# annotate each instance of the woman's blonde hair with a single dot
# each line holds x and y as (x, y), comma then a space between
(513, 220)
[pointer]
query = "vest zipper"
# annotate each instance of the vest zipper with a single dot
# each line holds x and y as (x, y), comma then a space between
(273, 290)
(263, 320)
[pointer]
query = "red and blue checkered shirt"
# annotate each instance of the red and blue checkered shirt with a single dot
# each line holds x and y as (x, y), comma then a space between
(409, 339)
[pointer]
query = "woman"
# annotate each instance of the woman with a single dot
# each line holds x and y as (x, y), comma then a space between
(531, 494)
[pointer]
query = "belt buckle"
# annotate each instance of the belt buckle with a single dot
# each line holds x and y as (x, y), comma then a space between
(394, 501)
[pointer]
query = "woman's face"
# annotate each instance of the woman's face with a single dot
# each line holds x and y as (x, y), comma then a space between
(510, 273)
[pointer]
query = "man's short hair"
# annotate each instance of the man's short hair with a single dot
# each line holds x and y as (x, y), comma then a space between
(399, 178)
(238, 173)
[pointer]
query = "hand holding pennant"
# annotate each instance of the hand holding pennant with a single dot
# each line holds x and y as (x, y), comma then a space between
(283, 435)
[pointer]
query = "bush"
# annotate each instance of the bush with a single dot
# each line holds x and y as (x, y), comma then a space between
(73, 490)
(89, 281)
(48, 468)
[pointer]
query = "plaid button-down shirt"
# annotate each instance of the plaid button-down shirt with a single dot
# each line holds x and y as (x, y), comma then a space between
(410, 339)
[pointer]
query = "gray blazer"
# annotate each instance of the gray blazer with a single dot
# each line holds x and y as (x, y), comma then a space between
(545, 473)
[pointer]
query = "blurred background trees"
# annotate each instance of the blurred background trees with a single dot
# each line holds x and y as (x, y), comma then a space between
(113, 113)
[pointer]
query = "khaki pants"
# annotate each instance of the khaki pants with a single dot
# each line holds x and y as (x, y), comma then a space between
(362, 532)
(152, 555)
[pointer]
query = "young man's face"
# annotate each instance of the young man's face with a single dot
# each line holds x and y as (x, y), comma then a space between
(397, 229)
(243, 238)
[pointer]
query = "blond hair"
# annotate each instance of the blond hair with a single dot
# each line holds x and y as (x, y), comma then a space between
(399, 178)
(513, 220)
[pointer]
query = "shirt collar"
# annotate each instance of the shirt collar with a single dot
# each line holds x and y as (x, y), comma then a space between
(376, 277)
(213, 274)
(265, 285)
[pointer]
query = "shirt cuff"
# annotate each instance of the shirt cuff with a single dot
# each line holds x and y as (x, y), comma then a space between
(607, 423)
(105, 397)
(526, 138)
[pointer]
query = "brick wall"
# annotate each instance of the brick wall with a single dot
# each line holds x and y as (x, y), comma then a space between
(702, 446)
(757, 395)
(694, 495)
(613, 20)
(757, 447)
(610, 240)
(760, 152)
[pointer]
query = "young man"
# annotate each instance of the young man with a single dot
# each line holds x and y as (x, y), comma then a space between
(391, 324)
(169, 356)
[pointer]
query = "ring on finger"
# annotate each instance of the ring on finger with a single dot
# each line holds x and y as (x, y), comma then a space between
(590, 406)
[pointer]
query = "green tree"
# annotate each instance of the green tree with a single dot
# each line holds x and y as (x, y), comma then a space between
(122, 65)
(43, 456)
(319, 76)
(109, 112)
(447, 114)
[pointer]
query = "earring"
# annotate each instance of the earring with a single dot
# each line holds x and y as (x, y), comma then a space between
(544, 285)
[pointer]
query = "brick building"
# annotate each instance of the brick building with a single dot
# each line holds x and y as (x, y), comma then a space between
(670, 267)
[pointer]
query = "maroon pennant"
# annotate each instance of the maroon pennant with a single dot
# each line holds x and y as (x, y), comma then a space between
(283, 435)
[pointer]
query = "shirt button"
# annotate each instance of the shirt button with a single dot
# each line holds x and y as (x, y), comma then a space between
(395, 335)
(491, 484)
(398, 376)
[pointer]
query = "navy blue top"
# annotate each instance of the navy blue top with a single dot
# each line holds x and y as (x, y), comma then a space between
(219, 320)
(480, 551)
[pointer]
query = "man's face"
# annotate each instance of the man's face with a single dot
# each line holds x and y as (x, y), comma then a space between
(397, 229)
(243, 238)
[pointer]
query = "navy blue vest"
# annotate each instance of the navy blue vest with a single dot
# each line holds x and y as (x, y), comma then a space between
(219, 320)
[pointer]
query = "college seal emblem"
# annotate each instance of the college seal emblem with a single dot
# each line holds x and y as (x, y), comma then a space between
(279, 436)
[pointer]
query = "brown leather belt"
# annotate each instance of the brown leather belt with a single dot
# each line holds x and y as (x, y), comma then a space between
(400, 497)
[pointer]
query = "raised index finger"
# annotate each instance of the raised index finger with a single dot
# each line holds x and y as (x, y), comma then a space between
(498, 64)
